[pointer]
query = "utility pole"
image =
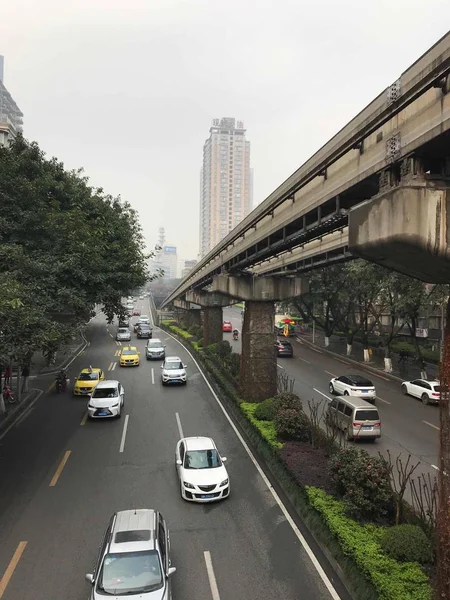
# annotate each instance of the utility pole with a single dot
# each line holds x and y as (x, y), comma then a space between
(314, 325)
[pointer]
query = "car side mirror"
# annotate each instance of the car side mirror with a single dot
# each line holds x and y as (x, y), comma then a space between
(171, 571)
(90, 578)
(184, 366)
(179, 463)
(164, 346)
(224, 459)
(162, 366)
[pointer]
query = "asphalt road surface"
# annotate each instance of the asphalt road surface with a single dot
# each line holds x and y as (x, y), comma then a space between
(408, 426)
(63, 476)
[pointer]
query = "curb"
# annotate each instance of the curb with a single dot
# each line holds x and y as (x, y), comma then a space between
(351, 361)
(13, 415)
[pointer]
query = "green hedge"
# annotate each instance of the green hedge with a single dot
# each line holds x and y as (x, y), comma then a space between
(265, 428)
(181, 332)
(392, 580)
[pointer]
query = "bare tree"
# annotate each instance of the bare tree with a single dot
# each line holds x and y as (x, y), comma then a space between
(400, 475)
(424, 494)
(284, 382)
(316, 415)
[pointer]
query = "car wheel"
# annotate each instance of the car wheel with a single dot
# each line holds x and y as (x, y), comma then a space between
(425, 399)
(331, 388)
(404, 389)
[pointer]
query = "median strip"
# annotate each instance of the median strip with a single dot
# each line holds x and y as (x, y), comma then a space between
(11, 567)
(61, 466)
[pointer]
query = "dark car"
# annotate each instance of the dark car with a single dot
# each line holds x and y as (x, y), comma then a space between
(144, 331)
(284, 348)
(124, 322)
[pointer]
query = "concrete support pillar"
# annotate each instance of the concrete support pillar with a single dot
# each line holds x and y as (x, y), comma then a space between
(212, 325)
(258, 374)
(194, 317)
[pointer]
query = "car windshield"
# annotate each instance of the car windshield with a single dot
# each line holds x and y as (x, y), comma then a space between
(173, 366)
(130, 352)
(130, 573)
(202, 459)
(154, 344)
(88, 377)
(143, 326)
(144, 318)
(123, 331)
(105, 393)
(367, 415)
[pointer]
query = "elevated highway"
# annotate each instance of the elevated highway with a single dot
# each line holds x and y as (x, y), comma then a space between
(401, 139)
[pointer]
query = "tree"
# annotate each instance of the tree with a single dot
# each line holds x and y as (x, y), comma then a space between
(320, 304)
(64, 247)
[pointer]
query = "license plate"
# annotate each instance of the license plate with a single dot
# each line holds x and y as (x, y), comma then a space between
(103, 413)
(365, 391)
(367, 428)
(204, 496)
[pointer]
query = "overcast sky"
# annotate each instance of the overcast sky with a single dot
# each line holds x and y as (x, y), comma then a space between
(127, 90)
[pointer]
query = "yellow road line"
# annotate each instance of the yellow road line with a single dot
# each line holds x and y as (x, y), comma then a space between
(11, 567)
(84, 419)
(431, 425)
(49, 389)
(61, 466)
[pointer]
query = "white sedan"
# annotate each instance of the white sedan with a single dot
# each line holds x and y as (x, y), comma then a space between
(144, 319)
(203, 476)
(106, 400)
(427, 391)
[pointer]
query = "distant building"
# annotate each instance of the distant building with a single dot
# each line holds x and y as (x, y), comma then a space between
(11, 117)
(188, 266)
(225, 182)
(169, 261)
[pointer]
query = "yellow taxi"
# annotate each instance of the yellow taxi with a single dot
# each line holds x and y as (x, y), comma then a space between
(129, 356)
(87, 380)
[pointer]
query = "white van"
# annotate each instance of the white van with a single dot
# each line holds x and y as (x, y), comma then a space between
(355, 417)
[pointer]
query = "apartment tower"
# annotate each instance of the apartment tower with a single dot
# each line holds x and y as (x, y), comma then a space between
(225, 182)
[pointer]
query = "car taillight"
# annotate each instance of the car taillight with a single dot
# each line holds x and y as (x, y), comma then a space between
(357, 424)
(435, 394)
(377, 425)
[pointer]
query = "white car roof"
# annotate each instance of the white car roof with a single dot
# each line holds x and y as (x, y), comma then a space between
(107, 383)
(173, 359)
(199, 443)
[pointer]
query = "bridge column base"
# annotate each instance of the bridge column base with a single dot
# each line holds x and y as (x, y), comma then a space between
(212, 325)
(258, 373)
(194, 317)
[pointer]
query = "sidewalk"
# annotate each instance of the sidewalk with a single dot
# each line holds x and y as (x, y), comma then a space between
(39, 368)
(404, 370)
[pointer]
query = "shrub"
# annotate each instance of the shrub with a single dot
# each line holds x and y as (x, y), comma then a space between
(392, 580)
(265, 428)
(200, 342)
(265, 411)
(287, 401)
(181, 332)
(234, 364)
(291, 424)
(407, 543)
(362, 480)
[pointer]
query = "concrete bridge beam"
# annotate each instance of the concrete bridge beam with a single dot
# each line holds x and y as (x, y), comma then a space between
(406, 228)
(263, 289)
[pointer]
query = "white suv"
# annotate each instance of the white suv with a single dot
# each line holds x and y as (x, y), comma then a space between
(106, 400)
(173, 371)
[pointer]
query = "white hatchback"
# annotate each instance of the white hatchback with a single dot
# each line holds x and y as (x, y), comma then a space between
(106, 400)
(201, 471)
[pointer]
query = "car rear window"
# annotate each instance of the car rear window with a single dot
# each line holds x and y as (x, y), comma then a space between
(105, 393)
(367, 415)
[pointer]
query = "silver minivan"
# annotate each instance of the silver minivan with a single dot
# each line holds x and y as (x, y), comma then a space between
(355, 417)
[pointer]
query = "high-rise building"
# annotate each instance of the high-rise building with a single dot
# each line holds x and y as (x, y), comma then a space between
(11, 118)
(225, 182)
(169, 262)
(188, 266)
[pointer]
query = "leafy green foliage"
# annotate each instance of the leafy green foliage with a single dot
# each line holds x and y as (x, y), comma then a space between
(407, 543)
(287, 400)
(265, 411)
(362, 480)
(181, 332)
(265, 428)
(64, 247)
(291, 424)
(392, 580)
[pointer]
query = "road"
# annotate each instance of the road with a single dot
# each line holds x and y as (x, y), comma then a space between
(62, 477)
(408, 426)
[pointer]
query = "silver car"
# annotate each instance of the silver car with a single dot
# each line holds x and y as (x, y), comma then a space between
(123, 334)
(134, 558)
(155, 349)
(173, 371)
